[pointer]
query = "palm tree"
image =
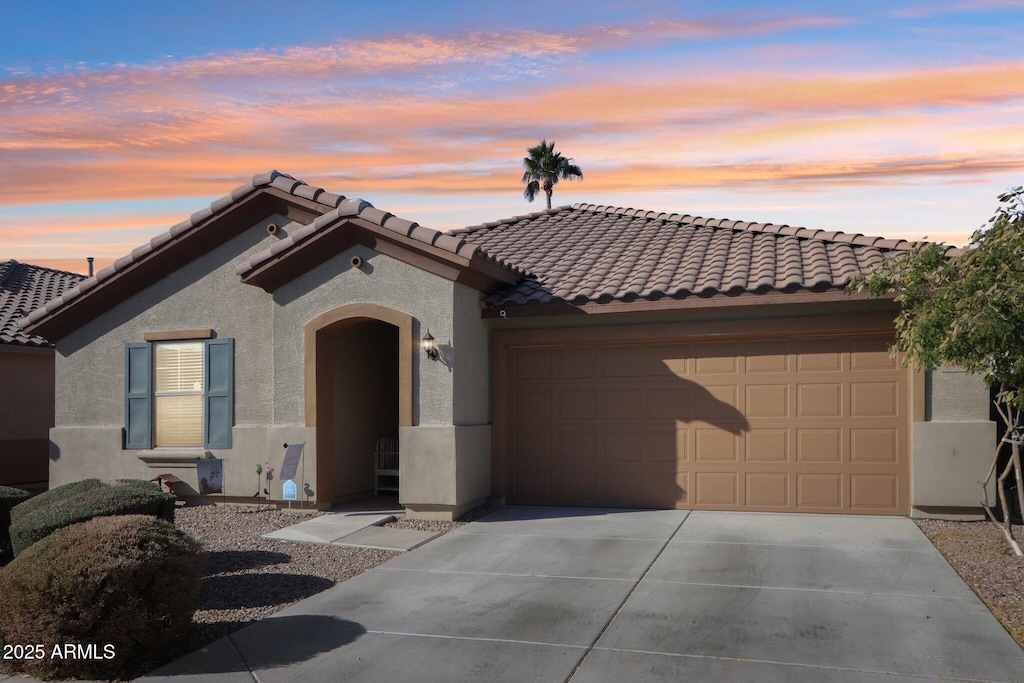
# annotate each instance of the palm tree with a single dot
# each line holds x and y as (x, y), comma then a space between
(544, 167)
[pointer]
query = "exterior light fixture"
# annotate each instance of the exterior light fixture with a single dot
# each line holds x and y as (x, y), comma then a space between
(430, 346)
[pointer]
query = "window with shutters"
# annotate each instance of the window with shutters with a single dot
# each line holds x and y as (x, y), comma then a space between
(178, 393)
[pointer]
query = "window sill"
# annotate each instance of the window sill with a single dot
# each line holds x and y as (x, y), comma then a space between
(173, 457)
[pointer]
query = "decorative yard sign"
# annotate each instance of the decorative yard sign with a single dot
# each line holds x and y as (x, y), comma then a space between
(289, 490)
(211, 475)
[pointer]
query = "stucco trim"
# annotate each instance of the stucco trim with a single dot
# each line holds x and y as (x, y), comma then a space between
(177, 335)
(319, 375)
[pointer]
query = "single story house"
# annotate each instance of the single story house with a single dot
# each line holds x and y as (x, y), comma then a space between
(26, 373)
(584, 355)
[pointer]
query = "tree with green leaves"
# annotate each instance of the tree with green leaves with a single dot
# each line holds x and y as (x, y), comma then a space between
(968, 310)
(543, 168)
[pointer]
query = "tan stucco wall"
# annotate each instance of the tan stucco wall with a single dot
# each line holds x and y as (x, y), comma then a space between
(450, 391)
(270, 392)
(26, 378)
(205, 293)
(953, 447)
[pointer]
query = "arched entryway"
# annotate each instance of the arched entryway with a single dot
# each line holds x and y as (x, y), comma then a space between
(358, 389)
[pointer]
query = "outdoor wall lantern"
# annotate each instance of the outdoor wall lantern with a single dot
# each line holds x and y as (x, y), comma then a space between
(430, 346)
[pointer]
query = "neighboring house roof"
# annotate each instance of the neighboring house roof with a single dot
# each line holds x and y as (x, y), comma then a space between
(587, 253)
(24, 287)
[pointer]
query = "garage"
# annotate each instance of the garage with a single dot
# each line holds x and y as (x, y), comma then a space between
(802, 421)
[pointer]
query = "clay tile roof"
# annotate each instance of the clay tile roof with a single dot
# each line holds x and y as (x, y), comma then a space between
(25, 288)
(587, 253)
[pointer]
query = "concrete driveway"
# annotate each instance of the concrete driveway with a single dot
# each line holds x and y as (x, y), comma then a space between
(588, 595)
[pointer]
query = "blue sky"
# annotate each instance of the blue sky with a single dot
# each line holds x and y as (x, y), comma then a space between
(118, 119)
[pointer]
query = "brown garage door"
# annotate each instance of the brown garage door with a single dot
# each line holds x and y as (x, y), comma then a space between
(807, 424)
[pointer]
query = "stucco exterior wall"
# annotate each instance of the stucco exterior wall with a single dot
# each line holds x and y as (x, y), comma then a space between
(383, 281)
(26, 374)
(205, 293)
(953, 447)
(469, 360)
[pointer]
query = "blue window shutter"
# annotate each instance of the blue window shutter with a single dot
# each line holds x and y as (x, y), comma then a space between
(138, 395)
(219, 392)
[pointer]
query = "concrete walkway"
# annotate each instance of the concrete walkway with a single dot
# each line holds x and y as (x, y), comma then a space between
(548, 594)
(354, 529)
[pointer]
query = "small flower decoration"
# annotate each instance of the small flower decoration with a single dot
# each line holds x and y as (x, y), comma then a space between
(259, 469)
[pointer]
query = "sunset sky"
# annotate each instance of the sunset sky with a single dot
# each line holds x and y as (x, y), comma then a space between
(118, 119)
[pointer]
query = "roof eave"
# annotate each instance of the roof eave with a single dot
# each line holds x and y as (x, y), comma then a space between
(347, 231)
(717, 300)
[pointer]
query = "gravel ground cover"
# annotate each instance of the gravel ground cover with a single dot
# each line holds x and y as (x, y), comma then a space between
(979, 553)
(248, 577)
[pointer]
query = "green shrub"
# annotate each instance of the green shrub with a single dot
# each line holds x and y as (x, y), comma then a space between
(53, 495)
(105, 501)
(9, 497)
(127, 581)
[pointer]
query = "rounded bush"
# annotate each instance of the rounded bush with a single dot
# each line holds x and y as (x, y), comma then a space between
(105, 501)
(9, 497)
(128, 582)
(54, 495)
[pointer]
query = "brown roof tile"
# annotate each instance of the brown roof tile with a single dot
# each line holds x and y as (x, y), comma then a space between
(596, 253)
(25, 288)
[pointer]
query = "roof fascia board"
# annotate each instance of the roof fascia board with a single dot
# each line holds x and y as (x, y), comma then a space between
(335, 238)
(771, 298)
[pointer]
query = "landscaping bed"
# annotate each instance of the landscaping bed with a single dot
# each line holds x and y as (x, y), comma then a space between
(979, 553)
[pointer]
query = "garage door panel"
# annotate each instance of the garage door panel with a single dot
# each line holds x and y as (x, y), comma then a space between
(665, 488)
(575, 363)
(874, 399)
(665, 444)
(767, 400)
(531, 445)
(819, 491)
(869, 354)
(531, 364)
(717, 489)
(532, 404)
(668, 402)
(716, 402)
(625, 403)
(621, 361)
(577, 404)
(873, 491)
(577, 445)
(767, 490)
(788, 424)
(624, 445)
(716, 445)
(819, 400)
(667, 360)
(768, 446)
(819, 355)
(766, 356)
(717, 359)
(819, 445)
(874, 445)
